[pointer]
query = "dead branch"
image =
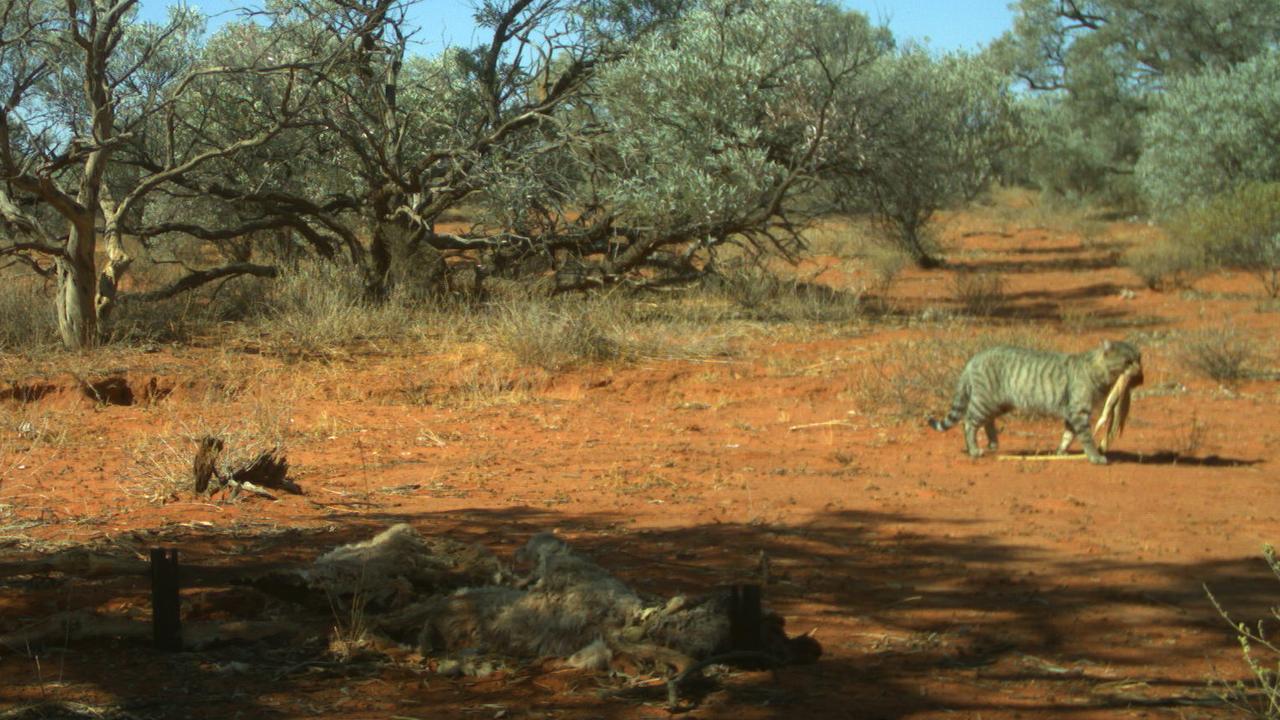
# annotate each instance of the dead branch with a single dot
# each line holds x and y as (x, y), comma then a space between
(204, 465)
(826, 423)
(198, 278)
(1076, 456)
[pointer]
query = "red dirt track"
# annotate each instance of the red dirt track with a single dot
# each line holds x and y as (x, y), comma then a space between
(939, 586)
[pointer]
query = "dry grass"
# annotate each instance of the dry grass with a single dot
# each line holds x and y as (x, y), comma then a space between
(1224, 353)
(843, 237)
(317, 306)
(487, 384)
(886, 264)
(1191, 439)
(763, 296)
(1008, 208)
(981, 294)
(27, 322)
(158, 467)
(912, 379)
(1076, 318)
(1164, 264)
(30, 437)
(559, 333)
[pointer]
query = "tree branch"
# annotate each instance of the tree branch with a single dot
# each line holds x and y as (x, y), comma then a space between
(198, 278)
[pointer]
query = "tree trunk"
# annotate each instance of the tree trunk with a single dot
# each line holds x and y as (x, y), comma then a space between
(77, 317)
(386, 236)
(118, 262)
(909, 230)
(378, 272)
(391, 253)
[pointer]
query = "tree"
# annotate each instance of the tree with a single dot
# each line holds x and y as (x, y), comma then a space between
(86, 85)
(395, 141)
(1187, 157)
(708, 131)
(1103, 62)
(931, 132)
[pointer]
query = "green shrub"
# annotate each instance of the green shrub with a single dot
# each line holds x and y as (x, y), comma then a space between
(1238, 229)
(1166, 263)
(1212, 131)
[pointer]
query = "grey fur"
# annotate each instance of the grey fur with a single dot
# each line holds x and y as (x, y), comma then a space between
(1003, 378)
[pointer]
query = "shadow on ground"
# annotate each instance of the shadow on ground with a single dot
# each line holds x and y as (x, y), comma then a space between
(929, 623)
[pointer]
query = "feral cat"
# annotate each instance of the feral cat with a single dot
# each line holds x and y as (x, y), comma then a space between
(1003, 378)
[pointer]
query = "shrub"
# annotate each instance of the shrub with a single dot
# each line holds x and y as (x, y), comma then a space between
(886, 264)
(1222, 354)
(1166, 263)
(941, 125)
(1260, 697)
(770, 298)
(979, 293)
(1186, 158)
(560, 333)
(317, 305)
(1238, 229)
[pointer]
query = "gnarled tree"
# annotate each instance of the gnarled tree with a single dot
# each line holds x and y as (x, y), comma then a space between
(96, 119)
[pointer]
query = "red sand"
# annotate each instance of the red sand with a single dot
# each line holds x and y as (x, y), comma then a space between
(939, 586)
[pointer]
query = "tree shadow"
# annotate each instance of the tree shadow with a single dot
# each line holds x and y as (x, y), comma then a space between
(1169, 457)
(917, 611)
(1065, 260)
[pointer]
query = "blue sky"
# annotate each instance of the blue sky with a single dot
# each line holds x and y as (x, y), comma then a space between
(946, 24)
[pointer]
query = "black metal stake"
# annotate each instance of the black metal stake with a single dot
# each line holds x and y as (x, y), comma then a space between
(166, 622)
(745, 616)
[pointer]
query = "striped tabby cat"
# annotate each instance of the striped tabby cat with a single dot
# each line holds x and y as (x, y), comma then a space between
(1003, 378)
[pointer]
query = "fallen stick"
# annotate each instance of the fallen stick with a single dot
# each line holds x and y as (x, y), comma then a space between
(827, 423)
(1046, 458)
(238, 486)
(64, 709)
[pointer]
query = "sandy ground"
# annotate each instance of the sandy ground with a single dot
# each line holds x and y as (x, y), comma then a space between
(939, 586)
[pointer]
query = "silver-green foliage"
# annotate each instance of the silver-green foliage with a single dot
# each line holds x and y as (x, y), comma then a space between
(927, 132)
(1078, 149)
(715, 123)
(1237, 229)
(1211, 132)
(1103, 63)
(746, 107)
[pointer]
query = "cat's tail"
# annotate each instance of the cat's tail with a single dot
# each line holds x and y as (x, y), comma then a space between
(958, 405)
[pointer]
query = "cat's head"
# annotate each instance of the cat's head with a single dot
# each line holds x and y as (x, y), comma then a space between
(1120, 357)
